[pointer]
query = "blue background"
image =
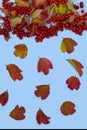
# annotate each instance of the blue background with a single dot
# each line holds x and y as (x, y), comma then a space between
(22, 92)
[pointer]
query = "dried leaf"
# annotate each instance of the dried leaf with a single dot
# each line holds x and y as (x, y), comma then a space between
(67, 108)
(73, 83)
(42, 118)
(4, 98)
(42, 91)
(14, 21)
(77, 66)
(44, 65)
(14, 71)
(21, 50)
(67, 45)
(23, 3)
(18, 113)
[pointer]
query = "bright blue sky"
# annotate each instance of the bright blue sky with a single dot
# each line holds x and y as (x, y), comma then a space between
(22, 92)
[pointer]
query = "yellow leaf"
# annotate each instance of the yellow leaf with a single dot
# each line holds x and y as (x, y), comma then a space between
(61, 9)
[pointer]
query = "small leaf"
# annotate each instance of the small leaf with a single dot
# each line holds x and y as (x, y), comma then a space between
(14, 71)
(77, 66)
(39, 3)
(73, 83)
(18, 113)
(67, 108)
(23, 3)
(15, 21)
(42, 118)
(44, 65)
(4, 98)
(67, 45)
(70, 6)
(42, 91)
(61, 9)
(21, 50)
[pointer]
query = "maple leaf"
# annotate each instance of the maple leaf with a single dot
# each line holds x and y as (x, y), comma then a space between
(44, 65)
(73, 82)
(77, 65)
(42, 118)
(23, 3)
(21, 50)
(4, 98)
(14, 21)
(67, 108)
(14, 71)
(42, 91)
(18, 113)
(68, 45)
(39, 3)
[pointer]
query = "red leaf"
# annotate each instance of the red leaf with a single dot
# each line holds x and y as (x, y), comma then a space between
(14, 72)
(67, 108)
(42, 91)
(44, 65)
(4, 98)
(42, 118)
(18, 113)
(39, 3)
(73, 83)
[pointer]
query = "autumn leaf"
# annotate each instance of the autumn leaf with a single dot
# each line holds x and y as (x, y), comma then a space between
(18, 113)
(70, 6)
(14, 71)
(73, 83)
(44, 65)
(39, 3)
(67, 45)
(42, 118)
(23, 3)
(42, 91)
(21, 50)
(4, 98)
(14, 21)
(77, 66)
(67, 108)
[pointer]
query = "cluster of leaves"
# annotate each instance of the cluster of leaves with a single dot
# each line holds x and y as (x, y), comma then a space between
(43, 91)
(37, 14)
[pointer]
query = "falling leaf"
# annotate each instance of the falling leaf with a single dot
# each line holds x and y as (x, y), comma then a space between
(42, 118)
(18, 113)
(42, 91)
(21, 50)
(23, 3)
(73, 82)
(14, 21)
(14, 71)
(44, 65)
(4, 98)
(67, 108)
(67, 45)
(77, 66)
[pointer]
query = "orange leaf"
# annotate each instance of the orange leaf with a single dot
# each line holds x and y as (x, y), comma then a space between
(14, 72)
(4, 98)
(77, 65)
(15, 21)
(44, 65)
(21, 50)
(42, 91)
(23, 3)
(73, 83)
(67, 108)
(39, 3)
(18, 113)
(42, 118)
(67, 45)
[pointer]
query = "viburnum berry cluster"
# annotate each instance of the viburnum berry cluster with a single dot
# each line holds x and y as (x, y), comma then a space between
(42, 19)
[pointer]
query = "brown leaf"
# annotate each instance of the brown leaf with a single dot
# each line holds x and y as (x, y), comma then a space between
(4, 98)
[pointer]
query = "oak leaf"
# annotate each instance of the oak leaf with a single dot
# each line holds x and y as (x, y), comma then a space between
(44, 65)
(14, 71)
(73, 83)
(18, 113)
(21, 50)
(4, 98)
(42, 91)
(67, 45)
(42, 118)
(67, 108)
(77, 66)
